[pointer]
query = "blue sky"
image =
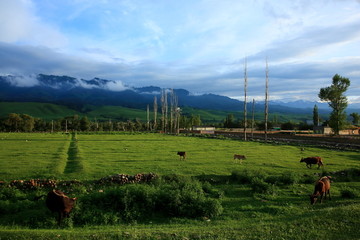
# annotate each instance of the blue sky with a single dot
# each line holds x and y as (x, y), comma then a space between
(199, 45)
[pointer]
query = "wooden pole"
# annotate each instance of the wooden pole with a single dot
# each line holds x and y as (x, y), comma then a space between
(245, 98)
(266, 99)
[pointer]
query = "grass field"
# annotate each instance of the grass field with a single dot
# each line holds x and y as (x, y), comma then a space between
(283, 212)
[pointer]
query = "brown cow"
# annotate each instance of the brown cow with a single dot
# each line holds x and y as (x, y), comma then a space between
(58, 202)
(182, 155)
(239, 157)
(312, 160)
(321, 187)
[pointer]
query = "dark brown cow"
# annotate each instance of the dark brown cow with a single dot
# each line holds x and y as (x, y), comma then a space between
(182, 155)
(239, 157)
(58, 202)
(312, 160)
(321, 187)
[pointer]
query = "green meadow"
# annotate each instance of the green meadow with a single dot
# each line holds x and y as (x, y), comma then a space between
(264, 197)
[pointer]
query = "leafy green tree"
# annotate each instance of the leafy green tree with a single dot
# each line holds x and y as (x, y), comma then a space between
(334, 95)
(316, 119)
(288, 126)
(84, 124)
(195, 120)
(229, 121)
(27, 123)
(13, 122)
(356, 118)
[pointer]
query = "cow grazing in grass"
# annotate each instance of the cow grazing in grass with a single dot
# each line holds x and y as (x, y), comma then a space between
(58, 202)
(182, 155)
(321, 187)
(239, 157)
(312, 160)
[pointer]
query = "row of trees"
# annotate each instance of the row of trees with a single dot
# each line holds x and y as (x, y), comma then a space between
(25, 123)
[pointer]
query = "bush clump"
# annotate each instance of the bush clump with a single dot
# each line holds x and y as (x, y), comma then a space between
(258, 185)
(348, 193)
(246, 176)
(171, 196)
(287, 178)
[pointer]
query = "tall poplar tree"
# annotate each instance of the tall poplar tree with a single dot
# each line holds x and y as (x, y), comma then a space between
(336, 99)
(316, 119)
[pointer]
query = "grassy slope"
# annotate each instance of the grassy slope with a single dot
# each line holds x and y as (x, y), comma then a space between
(45, 111)
(49, 111)
(286, 216)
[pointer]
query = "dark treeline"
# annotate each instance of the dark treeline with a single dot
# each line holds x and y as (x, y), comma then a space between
(25, 123)
(231, 122)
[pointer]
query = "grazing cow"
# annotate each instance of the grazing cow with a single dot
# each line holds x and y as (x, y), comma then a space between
(58, 202)
(321, 187)
(182, 155)
(239, 157)
(312, 160)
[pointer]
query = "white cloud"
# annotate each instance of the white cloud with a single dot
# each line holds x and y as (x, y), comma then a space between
(19, 24)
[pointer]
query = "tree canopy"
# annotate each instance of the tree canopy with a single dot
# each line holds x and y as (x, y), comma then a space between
(334, 95)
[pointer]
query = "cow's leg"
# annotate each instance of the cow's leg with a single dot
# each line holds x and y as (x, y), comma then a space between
(321, 197)
(307, 165)
(59, 217)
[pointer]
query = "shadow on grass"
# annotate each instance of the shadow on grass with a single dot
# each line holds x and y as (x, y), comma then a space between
(74, 163)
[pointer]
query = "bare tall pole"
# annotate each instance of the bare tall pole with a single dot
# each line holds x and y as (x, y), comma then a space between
(172, 112)
(253, 119)
(245, 88)
(155, 112)
(166, 110)
(148, 117)
(163, 109)
(266, 99)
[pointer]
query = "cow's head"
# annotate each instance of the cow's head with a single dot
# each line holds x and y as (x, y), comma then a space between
(302, 159)
(313, 199)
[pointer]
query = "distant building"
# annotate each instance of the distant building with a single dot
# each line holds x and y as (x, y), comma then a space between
(328, 130)
(323, 130)
(203, 128)
(351, 131)
(200, 129)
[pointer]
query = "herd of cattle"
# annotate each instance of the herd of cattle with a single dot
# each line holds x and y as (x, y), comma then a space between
(322, 186)
(58, 202)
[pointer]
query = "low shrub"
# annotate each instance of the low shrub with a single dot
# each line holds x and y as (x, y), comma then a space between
(308, 179)
(348, 193)
(173, 196)
(246, 176)
(258, 185)
(287, 178)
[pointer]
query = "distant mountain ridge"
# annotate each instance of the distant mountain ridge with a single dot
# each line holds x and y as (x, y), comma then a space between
(78, 93)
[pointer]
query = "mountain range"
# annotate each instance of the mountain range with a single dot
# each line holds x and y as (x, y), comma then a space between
(79, 93)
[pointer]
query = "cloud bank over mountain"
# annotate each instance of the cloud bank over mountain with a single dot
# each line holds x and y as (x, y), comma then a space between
(197, 45)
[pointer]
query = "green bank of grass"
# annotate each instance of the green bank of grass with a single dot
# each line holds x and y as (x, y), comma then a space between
(27, 155)
(283, 211)
(131, 154)
(30, 154)
(116, 112)
(46, 111)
